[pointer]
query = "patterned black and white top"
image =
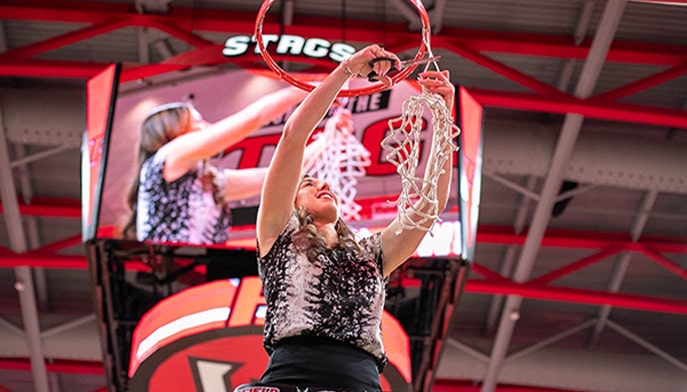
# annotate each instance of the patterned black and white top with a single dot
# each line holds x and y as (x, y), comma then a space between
(339, 296)
(183, 210)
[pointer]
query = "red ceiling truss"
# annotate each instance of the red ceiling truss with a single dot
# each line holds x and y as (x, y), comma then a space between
(489, 282)
(473, 45)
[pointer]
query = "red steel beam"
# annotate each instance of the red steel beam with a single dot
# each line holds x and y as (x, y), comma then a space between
(60, 262)
(56, 366)
(185, 35)
(494, 284)
(665, 263)
(63, 40)
(63, 11)
(49, 249)
(576, 266)
(47, 210)
(501, 69)
(486, 234)
(561, 103)
(491, 276)
(96, 368)
(564, 47)
(503, 235)
(491, 234)
(178, 23)
(92, 367)
(649, 251)
(642, 84)
(581, 296)
(50, 68)
(243, 22)
(453, 385)
(607, 111)
(49, 261)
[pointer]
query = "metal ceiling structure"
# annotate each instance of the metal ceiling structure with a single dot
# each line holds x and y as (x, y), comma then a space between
(579, 281)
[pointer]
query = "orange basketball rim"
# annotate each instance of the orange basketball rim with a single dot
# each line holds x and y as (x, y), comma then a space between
(371, 89)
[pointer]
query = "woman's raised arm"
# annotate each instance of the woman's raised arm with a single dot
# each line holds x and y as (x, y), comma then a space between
(283, 176)
(185, 151)
(397, 248)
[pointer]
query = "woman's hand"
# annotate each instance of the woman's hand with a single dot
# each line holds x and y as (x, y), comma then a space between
(359, 63)
(439, 83)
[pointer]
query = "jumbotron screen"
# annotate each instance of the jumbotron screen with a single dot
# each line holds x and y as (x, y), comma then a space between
(219, 94)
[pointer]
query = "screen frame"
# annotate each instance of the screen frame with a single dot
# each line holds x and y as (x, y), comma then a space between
(469, 181)
(92, 190)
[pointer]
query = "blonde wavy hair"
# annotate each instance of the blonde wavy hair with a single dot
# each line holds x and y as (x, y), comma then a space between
(313, 244)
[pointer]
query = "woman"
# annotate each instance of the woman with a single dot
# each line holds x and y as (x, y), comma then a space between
(178, 195)
(324, 289)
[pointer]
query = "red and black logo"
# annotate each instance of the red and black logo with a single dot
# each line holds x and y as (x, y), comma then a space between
(208, 338)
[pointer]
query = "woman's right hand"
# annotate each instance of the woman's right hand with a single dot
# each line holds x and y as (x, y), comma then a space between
(360, 63)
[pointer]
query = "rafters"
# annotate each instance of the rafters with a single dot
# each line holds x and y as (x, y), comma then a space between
(474, 45)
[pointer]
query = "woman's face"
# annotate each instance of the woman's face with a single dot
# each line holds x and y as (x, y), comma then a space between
(316, 197)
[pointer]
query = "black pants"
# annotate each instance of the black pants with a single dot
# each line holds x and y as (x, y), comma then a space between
(259, 387)
(322, 363)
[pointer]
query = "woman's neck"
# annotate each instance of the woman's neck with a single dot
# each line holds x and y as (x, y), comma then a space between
(328, 232)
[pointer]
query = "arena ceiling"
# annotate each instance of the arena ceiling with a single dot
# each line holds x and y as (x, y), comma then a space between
(579, 280)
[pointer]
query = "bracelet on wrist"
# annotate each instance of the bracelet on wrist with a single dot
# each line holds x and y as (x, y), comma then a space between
(347, 69)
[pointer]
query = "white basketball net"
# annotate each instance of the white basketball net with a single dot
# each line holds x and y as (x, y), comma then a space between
(415, 206)
(341, 162)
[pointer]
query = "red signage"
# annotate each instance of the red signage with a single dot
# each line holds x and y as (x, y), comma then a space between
(209, 338)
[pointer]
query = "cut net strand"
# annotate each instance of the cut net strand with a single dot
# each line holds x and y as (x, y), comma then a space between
(418, 201)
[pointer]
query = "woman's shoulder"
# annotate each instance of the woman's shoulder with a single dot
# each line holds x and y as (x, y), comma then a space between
(284, 237)
(291, 226)
(157, 159)
(371, 242)
(161, 154)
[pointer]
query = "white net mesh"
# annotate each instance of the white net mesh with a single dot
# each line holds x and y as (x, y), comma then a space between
(417, 202)
(341, 162)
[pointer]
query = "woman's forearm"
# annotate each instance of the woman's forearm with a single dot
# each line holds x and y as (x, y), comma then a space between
(308, 115)
(444, 179)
